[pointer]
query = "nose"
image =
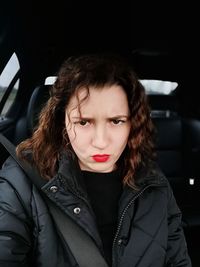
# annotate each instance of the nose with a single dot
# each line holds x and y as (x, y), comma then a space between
(100, 137)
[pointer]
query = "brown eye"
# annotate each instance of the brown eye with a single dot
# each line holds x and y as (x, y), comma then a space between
(116, 121)
(83, 123)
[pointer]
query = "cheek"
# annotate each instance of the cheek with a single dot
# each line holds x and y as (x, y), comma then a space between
(78, 139)
(121, 137)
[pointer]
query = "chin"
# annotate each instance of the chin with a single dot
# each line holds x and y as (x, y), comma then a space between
(102, 168)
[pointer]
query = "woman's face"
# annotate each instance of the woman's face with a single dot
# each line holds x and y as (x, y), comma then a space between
(99, 132)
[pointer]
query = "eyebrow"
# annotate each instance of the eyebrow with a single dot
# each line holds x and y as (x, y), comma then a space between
(110, 118)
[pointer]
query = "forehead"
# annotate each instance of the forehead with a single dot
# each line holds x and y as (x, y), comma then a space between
(108, 98)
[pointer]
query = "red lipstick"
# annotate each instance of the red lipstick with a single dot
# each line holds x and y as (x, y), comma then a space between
(101, 157)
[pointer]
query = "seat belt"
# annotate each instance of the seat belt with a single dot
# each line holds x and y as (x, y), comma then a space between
(80, 243)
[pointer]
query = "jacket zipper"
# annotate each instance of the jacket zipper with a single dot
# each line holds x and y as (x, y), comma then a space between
(122, 218)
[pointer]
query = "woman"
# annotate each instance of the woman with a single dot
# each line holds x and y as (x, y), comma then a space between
(93, 146)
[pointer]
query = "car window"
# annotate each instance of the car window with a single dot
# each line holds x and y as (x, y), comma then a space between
(8, 90)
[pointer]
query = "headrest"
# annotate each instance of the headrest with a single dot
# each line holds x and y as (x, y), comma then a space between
(37, 101)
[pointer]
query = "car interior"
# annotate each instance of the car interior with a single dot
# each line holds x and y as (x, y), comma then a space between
(40, 37)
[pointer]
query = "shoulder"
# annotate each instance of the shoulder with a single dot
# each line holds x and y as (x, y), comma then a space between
(13, 174)
(151, 174)
(152, 177)
(15, 186)
(18, 195)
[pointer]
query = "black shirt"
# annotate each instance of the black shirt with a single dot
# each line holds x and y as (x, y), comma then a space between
(104, 191)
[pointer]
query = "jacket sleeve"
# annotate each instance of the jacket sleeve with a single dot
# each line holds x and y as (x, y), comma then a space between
(15, 239)
(177, 253)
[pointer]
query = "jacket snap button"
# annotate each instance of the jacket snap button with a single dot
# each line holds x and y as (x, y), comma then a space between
(53, 189)
(119, 242)
(77, 210)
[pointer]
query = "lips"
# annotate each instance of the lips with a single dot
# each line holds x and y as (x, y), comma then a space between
(101, 157)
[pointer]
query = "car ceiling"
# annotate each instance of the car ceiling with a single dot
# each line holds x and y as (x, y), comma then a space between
(44, 33)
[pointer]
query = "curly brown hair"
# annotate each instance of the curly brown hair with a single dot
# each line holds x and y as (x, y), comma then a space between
(86, 71)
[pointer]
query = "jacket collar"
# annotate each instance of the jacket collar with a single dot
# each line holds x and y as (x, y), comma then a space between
(69, 169)
(149, 174)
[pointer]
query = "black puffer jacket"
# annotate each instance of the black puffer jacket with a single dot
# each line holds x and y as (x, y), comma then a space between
(149, 231)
